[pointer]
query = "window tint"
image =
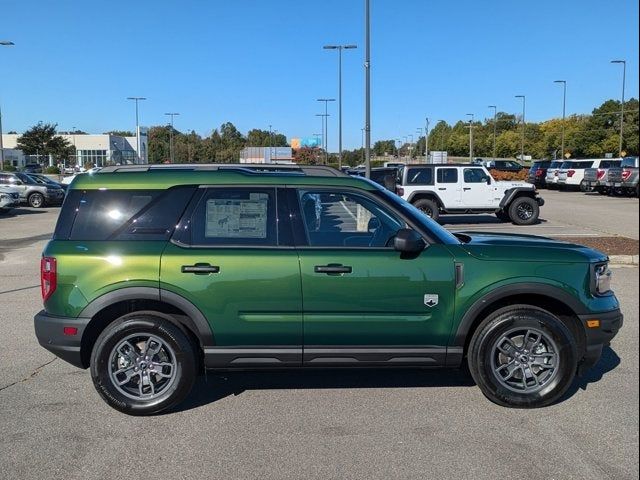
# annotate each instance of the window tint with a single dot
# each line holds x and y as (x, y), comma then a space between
(629, 162)
(474, 175)
(343, 219)
(447, 175)
(581, 165)
(420, 176)
(100, 213)
(566, 165)
(235, 216)
(609, 163)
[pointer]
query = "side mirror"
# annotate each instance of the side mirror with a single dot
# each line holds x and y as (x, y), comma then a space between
(488, 180)
(408, 241)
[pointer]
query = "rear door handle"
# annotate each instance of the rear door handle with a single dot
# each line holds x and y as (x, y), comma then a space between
(442, 189)
(466, 188)
(200, 269)
(332, 269)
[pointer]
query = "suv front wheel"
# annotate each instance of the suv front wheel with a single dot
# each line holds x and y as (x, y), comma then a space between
(522, 356)
(524, 211)
(428, 207)
(142, 364)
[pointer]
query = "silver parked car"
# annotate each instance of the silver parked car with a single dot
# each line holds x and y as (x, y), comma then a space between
(34, 194)
(9, 198)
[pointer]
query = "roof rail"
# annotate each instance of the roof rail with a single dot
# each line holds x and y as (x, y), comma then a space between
(250, 168)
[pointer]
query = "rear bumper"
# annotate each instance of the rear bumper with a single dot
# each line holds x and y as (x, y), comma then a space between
(598, 338)
(50, 333)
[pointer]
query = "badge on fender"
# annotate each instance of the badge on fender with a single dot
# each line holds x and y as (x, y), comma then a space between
(430, 300)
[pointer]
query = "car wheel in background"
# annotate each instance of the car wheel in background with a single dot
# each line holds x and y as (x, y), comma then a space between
(584, 187)
(524, 211)
(142, 364)
(36, 200)
(428, 207)
(522, 356)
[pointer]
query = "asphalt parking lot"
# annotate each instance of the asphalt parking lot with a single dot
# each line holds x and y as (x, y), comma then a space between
(320, 424)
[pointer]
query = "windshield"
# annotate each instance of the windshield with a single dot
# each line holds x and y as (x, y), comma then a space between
(26, 179)
(412, 212)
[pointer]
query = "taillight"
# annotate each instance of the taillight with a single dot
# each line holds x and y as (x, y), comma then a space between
(600, 173)
(399, 191)
(48, 277)
(625, 175)
(539, 173)
(570, 173)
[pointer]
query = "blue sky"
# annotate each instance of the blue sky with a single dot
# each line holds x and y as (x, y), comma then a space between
(258, 62)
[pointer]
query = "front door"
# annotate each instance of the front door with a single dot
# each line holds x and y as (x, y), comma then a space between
(229, 259)
(476, 191)
(363, 302)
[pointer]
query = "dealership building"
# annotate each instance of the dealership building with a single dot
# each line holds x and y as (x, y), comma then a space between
(97, 150)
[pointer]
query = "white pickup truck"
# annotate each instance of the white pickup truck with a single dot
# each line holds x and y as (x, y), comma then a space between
(465, 189)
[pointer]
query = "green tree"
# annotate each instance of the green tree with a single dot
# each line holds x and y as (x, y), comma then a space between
(42, 139)
(117, 133)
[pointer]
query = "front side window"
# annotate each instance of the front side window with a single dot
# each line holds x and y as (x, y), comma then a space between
(344, 219)
(447, 175)
(474, 175)
(236, 217)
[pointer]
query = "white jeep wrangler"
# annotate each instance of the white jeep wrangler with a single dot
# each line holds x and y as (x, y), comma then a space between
(467, 188)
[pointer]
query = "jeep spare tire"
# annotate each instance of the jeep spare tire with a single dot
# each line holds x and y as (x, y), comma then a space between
(524, 211)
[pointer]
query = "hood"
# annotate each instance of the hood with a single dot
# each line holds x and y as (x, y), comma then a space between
(526, 248)
(9, 189)
(506, 184)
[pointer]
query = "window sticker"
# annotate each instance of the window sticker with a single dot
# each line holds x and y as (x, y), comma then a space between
(237, 218)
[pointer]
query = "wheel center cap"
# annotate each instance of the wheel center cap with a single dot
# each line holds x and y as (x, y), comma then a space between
(524, 359)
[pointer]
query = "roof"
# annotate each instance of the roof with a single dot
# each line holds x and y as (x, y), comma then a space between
(153, 177)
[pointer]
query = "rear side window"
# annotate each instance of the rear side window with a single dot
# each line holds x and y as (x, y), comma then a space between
(235, 216)
(122, 214)
(447, 175)
(609, 163)
(420, 176)
(581, 165)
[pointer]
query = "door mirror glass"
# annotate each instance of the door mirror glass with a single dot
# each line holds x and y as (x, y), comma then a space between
(408, 241)
(488, 180)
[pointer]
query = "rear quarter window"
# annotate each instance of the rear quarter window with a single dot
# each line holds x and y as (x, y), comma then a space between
(447, 175)
(420, 176)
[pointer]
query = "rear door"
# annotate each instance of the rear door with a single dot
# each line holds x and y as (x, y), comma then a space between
(232, 257)
(449, 187)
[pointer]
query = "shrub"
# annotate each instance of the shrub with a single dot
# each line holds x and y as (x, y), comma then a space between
(506, 176)
(9, 168)
(52, 170)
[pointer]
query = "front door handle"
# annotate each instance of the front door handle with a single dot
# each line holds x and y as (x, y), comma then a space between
(466, 188)
(200, 269)
(332, 269)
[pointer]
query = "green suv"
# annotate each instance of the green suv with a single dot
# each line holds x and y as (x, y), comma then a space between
(156, 272)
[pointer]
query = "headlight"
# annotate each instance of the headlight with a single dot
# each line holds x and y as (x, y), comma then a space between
(4, 197)
(602, 278)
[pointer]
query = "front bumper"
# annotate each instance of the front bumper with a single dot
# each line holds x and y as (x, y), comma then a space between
(597, 338)
(540, 201)
(50, 331)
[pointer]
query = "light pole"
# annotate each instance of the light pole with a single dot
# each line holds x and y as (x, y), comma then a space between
(470, 136)
(495, 125)
(326, 126)
(324, 134)
(398, 144)
(426, 141)
(171, 151)
(523, 125)
(4, 43)
(340, 48)
(564, 111)
(362, 146)
(419, 132)
(137, 99)
(367, 83)
(270, 142)
(624, 75)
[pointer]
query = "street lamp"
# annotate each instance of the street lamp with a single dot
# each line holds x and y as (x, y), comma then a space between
(4, 43)
(426, 141)
(324, 133)
(367, 84)
(398, 144)
(564, 108)
(495, 124)
(326, 126)
(340, 48)
(470, 136)
(523, 124)
(137, 99)
(171, 151)
(624, 75)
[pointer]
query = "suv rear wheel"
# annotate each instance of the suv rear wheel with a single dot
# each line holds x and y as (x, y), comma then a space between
(36, 200)
(428, 207)
(524, 211)
(142, 364)
(522, 356)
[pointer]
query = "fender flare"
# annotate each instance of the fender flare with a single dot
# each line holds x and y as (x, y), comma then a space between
(471, 315)
(512, 193)
(427, 193)
(195, 319)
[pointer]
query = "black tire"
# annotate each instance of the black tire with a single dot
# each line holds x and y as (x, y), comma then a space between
(602, 190)
(180, 353)
(482, 357)
(503, 216)
(524, 211)
(36, 200)
(428, 207)
(585, 188)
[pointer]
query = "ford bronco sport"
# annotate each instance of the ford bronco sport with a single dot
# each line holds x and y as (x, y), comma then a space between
(467, 188)
(155, 272)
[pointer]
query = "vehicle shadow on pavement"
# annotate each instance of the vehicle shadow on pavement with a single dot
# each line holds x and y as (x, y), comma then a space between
(477, 219)
(608, 361)
(14, 212)
(215, 386)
